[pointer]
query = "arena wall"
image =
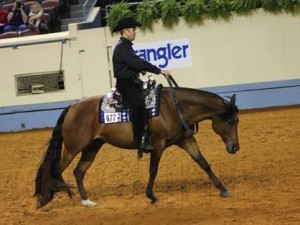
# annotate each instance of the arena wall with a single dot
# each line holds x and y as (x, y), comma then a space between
(254, 56)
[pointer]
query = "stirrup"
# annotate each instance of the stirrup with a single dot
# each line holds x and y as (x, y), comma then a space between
(139, 155)
(146, 143)
(141, 148)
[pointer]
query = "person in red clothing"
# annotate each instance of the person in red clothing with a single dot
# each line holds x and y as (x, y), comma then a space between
(3, 18)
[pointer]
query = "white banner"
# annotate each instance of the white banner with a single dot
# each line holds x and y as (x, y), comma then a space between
(166, 54)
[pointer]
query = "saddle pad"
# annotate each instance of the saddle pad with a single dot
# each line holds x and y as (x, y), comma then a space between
(112, 110)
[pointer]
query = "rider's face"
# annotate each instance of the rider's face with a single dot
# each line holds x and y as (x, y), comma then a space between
(130, 33)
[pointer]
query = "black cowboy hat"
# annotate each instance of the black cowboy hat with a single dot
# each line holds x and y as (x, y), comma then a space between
(127, 22)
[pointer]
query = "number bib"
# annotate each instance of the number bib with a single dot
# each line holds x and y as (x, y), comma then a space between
(112, 117)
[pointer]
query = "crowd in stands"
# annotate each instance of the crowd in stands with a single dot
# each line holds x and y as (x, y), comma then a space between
(30, 17)
(23, 18)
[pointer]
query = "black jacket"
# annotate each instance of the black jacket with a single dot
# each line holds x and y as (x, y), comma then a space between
(127, 64)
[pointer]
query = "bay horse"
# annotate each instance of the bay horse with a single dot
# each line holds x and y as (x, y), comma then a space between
(79, 130)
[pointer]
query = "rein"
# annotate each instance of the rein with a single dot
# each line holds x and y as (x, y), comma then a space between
(173, 83)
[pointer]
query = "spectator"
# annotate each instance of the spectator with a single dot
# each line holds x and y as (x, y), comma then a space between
(35, 16)
(3, 18)
(17, 17)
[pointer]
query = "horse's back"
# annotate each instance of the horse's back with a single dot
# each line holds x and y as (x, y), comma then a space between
(83, 109)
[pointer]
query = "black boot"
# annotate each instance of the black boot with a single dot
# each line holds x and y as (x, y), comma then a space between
(141, 149)
(146, 142)
(149, 146)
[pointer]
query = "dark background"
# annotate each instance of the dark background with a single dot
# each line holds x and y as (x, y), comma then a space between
(103, 3)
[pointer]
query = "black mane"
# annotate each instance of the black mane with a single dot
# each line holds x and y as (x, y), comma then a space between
(230, 110)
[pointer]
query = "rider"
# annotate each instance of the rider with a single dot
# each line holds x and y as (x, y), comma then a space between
(127, 66)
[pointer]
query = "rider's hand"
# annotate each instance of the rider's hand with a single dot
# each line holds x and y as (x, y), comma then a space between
(165, 72)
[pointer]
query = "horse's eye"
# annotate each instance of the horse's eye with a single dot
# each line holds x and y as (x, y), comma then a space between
(231, 121)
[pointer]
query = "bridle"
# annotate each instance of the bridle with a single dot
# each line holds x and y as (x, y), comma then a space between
(173, 83)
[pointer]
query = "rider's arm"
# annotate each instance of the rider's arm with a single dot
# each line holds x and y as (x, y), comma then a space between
(133, 60)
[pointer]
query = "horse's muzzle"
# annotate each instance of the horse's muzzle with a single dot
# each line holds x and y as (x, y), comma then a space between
(41, 201)
(232, 148)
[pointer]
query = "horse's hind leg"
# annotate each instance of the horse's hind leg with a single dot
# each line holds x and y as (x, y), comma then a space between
(87, 158)
(66, 159)
(190, 145)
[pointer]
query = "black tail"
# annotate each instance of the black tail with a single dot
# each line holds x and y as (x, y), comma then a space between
(48, 179)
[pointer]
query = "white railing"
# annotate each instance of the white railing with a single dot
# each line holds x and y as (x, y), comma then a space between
(86, 12)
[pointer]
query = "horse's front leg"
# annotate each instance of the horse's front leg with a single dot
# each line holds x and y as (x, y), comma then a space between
(190, 146)
(154, 162)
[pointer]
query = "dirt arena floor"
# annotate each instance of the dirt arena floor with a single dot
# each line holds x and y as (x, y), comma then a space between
(263, 178)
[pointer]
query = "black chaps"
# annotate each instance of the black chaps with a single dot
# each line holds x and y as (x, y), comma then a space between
(133, 95)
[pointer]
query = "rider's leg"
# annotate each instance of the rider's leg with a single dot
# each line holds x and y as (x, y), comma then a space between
(138, 123)
(148, 140)
(132, 94)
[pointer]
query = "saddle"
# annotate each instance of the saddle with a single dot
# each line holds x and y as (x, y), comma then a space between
(113, 110)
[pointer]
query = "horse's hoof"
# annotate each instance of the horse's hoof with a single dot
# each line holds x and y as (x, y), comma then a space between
(88, 203)
(39, 204)
(225, 194)
(154, 202)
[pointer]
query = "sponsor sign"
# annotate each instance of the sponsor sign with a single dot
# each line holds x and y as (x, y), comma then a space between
(166, 54)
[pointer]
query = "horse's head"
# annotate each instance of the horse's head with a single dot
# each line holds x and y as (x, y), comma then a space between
(225, 124)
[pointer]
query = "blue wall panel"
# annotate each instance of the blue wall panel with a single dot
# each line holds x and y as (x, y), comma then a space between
(262, 95)
(249, 96)
(17, 118)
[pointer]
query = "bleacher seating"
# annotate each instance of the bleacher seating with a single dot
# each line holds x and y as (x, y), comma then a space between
(47, 17)
(10, 34)
(51, 3)
(7, 6)
(53, 8)
(28, 4)
(29, 32)
(54, 20)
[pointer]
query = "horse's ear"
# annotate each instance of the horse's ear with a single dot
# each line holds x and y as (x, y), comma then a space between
(232, 99)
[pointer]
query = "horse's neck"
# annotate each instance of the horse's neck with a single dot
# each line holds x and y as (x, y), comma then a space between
(198, 105)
